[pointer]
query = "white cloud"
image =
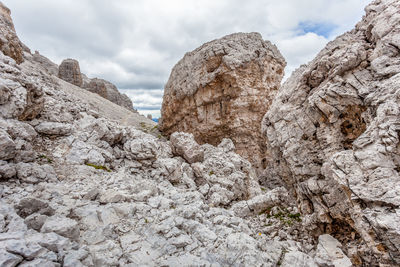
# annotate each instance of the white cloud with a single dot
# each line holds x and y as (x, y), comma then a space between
(135, 44)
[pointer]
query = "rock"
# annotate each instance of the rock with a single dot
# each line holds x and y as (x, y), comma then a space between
(10, 45)
(330, 254)
(111, 196)
(63, 226)
(47, 64)
(54, 128)
(183, 144)
(70, 72)
(331, 131)
(22, 100)
(297, 258)
(34, 173)
(109, 91)
(28, 250)
(7, 170)
(7, 145)
(221, 90)
(29, 206)
(8, 259)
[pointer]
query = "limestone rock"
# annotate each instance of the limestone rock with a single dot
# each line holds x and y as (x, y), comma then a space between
(53, 128)
(109, 91)
(330, 254)
(184, 145)
(63, 226)
(10, 45)
(47, 64)
(332, 134)
(70, 71)
(222, 89)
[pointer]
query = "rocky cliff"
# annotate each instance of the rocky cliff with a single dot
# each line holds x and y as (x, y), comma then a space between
(10, 45)
(69, 71)
(221, 90)
(332, 131)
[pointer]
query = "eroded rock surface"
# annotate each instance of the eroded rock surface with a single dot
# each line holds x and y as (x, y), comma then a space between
(332, 131)
(222, 89)
(10, 45)
(108, 91)
(70, 71)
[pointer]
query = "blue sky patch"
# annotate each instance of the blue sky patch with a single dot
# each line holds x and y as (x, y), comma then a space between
(320, 28)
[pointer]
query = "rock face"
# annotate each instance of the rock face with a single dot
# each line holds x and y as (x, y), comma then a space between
(108, 91)
(222, 89)
(10, 45)
(333, 133)
(70, 72)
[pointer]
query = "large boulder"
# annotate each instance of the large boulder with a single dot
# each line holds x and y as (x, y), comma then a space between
(70, 71)
(222, 89)
(10, 45)
(333, 133)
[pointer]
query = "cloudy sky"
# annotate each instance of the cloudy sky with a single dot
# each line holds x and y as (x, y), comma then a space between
(135, 43)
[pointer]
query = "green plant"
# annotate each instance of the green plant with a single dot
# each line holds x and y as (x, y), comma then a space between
(211, 173)
(98, 167)
(49, 160)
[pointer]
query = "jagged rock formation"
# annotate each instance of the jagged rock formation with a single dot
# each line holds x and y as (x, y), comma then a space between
(109, 91)
(222, 89)
(333, 134)
(10, 45)
(70, 71)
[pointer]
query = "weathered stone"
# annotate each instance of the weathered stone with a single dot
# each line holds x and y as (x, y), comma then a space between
(70, 72)
(10, 45)
(8, 259)
(54, 128)
(109, 91)
(34, 173)
(222, 89)
(63, 226)
(184, 145)
(332, 134)
(28, 206)
(330, 254)
(7, 146)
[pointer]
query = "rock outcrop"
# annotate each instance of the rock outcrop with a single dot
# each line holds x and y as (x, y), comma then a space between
(108, 91)
(10, 44)
(70, 71)
(333, 130)
(221, 90)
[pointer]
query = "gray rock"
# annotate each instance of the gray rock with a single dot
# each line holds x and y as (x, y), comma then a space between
(34, 173)
(54, 128)
(109, 91)
(7, 170)
(184, 145)
(29, 206)
(330, 254)
(8, 259)
(10, 45)
(70, 72)
(7, 145)
(332, 137)
(63, 226)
